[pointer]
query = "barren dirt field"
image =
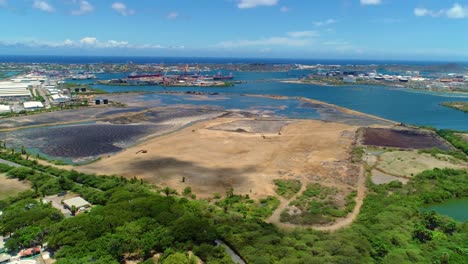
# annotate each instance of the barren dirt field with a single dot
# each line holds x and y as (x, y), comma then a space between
(213, 160)
(11, 187)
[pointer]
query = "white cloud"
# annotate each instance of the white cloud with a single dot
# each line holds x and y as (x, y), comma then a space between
(422, 12)
(43, 6)
(457, 11)
(172, 15)
(303, 34)
(122, 9)
(84, 7)
(371, 2)
(3, 3)
(88, 41)
(325, 22)
(285, 9)
(255, 3)
(68, 42)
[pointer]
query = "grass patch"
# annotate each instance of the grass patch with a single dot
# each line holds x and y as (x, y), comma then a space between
(462, 106)
(454, 153)
(247, 207)
(356, 154)
(455, 139)
(319, 205)
(287, 188)
(11, 187)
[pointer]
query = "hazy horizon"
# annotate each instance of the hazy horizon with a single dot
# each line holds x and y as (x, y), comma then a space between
(339, 29)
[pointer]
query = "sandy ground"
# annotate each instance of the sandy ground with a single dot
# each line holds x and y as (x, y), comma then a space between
(410, 163)
(214, 160)
(379, 177)
(463, 136)
(11, 187)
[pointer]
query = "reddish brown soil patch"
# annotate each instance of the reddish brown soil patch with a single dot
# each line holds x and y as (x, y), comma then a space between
(402, 138)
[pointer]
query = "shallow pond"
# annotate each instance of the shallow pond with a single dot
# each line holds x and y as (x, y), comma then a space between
(454, 208)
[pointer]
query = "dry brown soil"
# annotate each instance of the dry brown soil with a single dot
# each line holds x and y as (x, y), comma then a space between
(11, 187)
(213, 160)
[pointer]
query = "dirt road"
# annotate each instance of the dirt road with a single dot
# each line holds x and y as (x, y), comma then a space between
(340, 223)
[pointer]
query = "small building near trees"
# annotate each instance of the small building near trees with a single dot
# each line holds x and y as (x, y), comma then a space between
(78, 203)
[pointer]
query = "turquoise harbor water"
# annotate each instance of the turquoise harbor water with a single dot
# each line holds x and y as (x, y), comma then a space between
(455, 208)
(397, 104)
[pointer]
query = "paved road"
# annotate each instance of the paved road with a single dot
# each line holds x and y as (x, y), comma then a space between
(9, 163)
(235, 258)
(42, 91)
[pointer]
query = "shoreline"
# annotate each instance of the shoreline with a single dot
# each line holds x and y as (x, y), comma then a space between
(377, 84)
(276, 97)
(340, 108)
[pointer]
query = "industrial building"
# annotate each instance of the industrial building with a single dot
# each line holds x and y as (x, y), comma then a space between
(5, 109)
(33, 105)
(13, 89)
(60, 98)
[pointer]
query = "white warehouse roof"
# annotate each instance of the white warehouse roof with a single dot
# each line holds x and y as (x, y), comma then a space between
(60, 98)
(4, 108)
(32, 104)
(14, 89)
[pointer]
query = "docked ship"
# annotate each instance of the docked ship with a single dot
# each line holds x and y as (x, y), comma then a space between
(149, 75)
(219, 77)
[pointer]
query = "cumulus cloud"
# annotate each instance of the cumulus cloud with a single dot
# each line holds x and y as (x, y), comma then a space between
(68, 42)
(371, 2)
(325, 22)
(84, 8)
(303, 34)
(254, 3)
(86, 42)
(122, 9)
(457, 11)
(43, 6)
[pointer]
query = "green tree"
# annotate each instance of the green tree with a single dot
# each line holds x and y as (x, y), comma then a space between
(177, 258)
(187, 191)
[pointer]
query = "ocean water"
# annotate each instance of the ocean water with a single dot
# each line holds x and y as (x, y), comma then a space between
(401, 105)
(397, 104)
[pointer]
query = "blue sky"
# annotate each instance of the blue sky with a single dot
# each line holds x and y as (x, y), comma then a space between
(366, 29)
